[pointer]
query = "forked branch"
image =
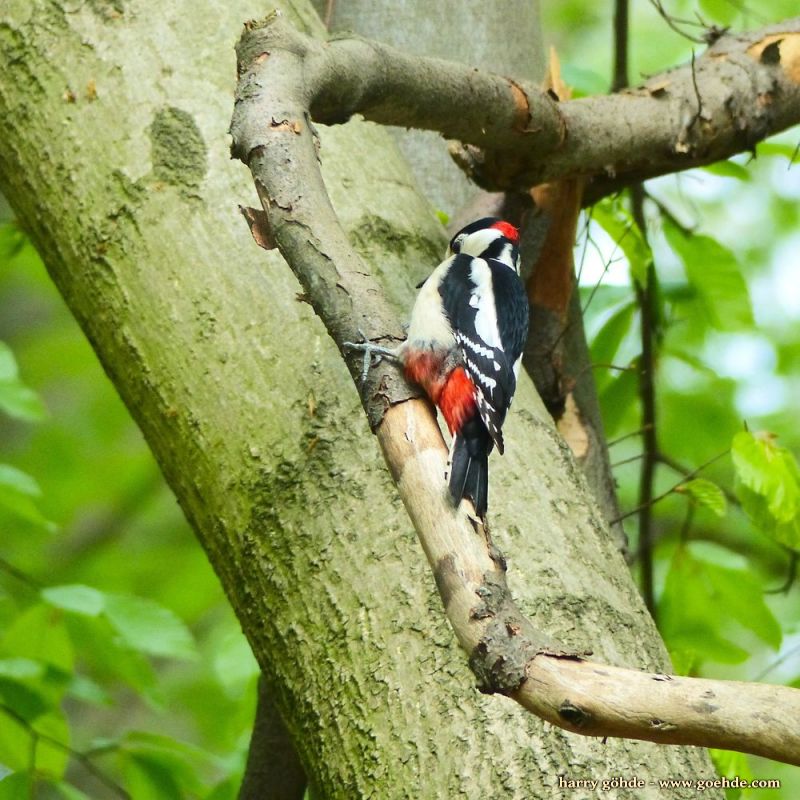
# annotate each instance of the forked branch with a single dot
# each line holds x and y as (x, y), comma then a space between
(285, 81)
(514, 135)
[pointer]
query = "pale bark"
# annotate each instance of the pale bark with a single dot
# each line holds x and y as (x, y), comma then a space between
(131, 198)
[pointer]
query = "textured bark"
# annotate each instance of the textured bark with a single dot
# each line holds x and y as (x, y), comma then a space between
(130, 196)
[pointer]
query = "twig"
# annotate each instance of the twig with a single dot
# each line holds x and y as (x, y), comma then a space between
(669, 213)
(794, 157)
(683, 536)
(585, 234)
(699, 111)
(669, 491)
(673, 22)
(21, 576)
(646, 300)
(682, 469)
(778, 661)
(625, 436)
(330, 7)
(609, 261)
(81, 757)
(620, 79)
(628, 460)
(618, 367)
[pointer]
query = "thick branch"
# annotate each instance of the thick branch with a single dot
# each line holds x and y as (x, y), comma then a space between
(508, 655)
(744, 88)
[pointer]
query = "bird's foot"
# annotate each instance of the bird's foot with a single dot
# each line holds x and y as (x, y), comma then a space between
(373, 354)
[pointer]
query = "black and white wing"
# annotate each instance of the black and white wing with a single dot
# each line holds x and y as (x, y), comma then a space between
(486, 305)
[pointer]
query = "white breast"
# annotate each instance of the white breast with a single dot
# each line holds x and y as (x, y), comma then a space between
(429, 327)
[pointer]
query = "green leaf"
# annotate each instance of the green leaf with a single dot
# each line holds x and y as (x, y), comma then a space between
(442, 216)
(76, 597)
(699, 601)
(111, 660)
(21, 668)
(160, 766)
(39, 634)
(69, 792)
(51, 761)
(167, 746)
(617, 222)
(742, 598)
(714, 272)
(15, 745)
(12, 240)
(16, 786)
(609, 338)
(583, 81)
(779, 149)
(722, 11)
(16, 399)
(768, 486)
(147, 778)
(85, 689)
(234, 663)
(707, 494)
(227, 789)
(618, 399)
(24, 700)
(148, 627)
(22, 403)
(729, 169)
(8, 364)
(769, 470)
(19, 481)
(731, 765)
(21, 506)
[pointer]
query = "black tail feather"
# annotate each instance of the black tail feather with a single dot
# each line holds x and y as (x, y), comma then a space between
(469, 466)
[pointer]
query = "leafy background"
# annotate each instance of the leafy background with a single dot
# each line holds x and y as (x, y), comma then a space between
(121, 665)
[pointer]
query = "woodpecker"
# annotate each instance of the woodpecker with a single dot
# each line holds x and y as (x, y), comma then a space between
(464, 346)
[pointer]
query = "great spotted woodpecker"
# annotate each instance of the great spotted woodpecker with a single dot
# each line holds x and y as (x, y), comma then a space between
(464, 346)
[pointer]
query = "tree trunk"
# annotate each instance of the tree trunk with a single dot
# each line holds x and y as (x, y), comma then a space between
(113, 118)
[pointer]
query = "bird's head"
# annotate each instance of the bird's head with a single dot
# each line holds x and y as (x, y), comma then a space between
(488, 238)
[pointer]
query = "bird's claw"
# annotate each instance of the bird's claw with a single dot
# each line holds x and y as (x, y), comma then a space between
(373, 354)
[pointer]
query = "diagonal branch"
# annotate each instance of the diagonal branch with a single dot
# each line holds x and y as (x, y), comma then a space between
(272, 135)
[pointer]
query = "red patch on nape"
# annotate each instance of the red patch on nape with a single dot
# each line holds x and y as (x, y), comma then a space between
(457, 399)
(508, 230)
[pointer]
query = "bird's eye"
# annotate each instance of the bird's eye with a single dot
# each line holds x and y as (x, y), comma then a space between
(455, 245)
